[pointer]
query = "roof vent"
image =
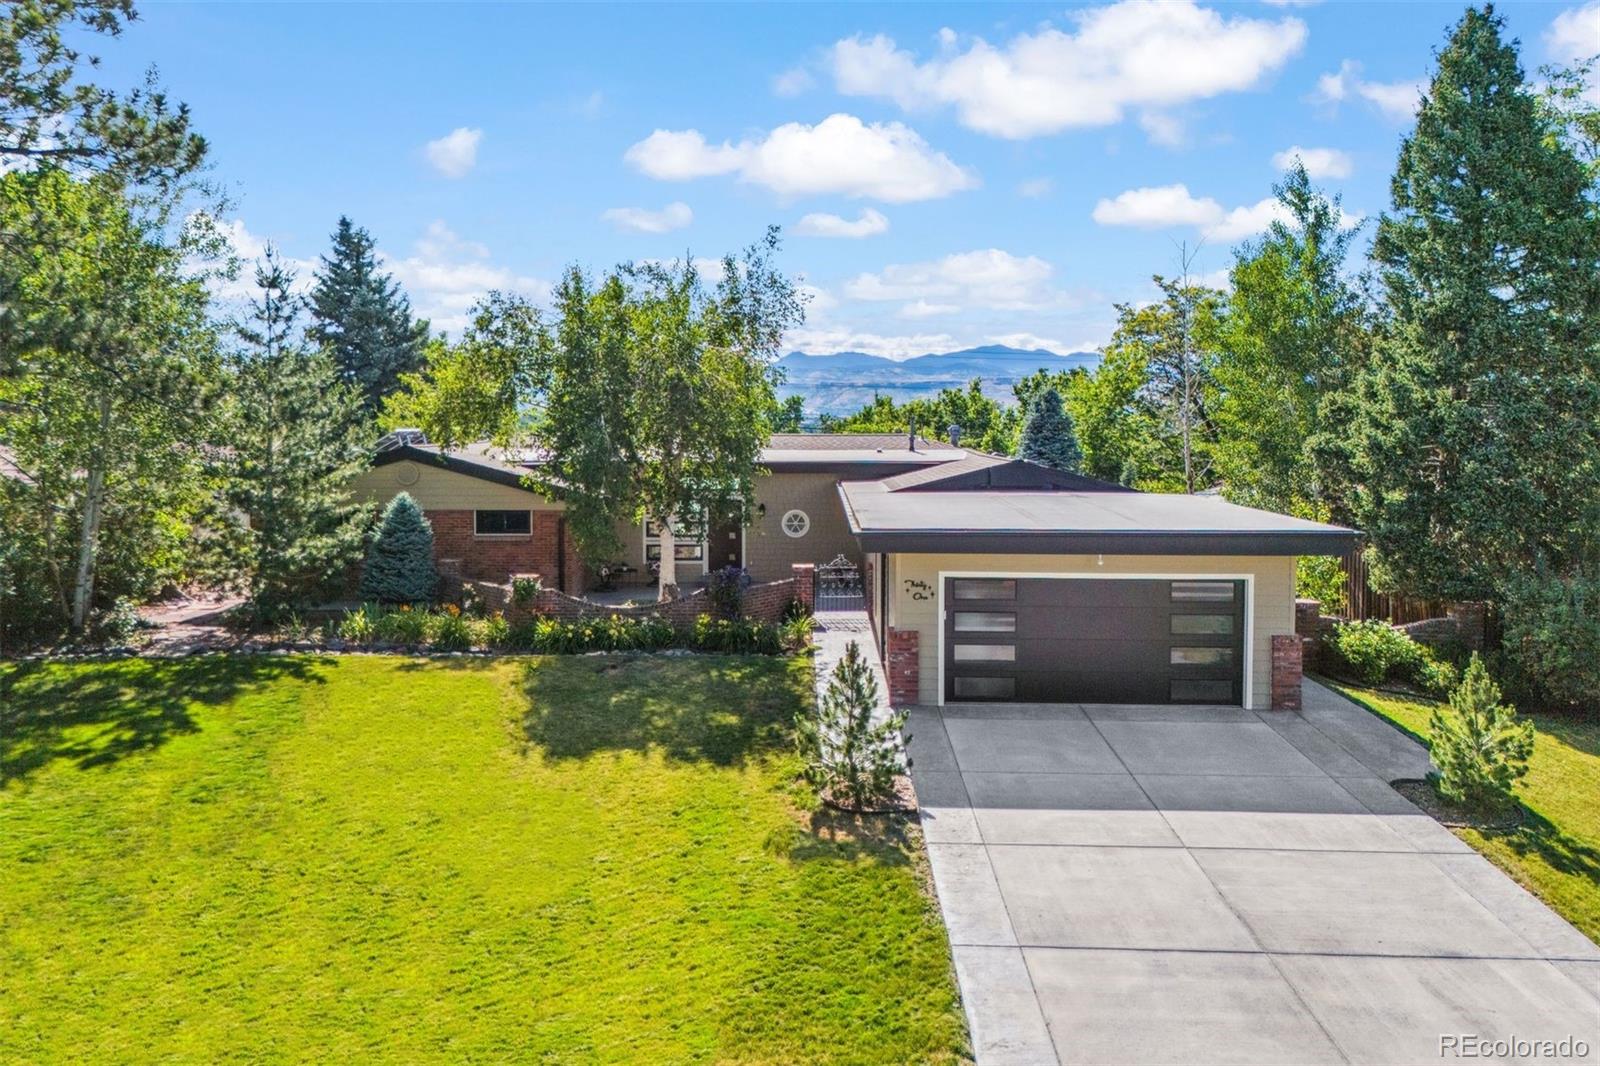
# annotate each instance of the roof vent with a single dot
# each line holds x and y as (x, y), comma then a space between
(401, 438)
(955, 435)
(911, 434)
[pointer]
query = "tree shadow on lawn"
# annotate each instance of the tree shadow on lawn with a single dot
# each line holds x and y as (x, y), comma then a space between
(833, 834)
(1542, 839)
(718, 709)
(96, 713)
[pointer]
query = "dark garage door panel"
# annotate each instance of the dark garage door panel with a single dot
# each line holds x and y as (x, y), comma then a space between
(1098, 641)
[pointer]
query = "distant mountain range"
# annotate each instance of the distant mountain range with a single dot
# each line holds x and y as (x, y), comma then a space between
(842, 382)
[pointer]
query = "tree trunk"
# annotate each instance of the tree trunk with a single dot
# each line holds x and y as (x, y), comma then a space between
(668, 584)
(89, 528)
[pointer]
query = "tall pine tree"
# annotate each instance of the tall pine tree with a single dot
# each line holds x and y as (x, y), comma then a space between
(1048, 436)
(1471, 444)
(360, 315)
(294, 444)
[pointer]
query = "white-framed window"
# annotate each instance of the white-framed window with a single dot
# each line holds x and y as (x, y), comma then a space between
(502, 523)
(795, 523)
(688, 541)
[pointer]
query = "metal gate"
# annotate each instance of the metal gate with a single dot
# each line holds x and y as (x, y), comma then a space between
(839, 586)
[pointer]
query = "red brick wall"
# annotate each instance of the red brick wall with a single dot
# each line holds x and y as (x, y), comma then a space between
(805, 583)
(496, 558)
(902, 667)
(1287, 651)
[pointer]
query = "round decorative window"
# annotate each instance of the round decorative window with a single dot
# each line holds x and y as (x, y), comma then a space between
(796, 523)
(407, 473)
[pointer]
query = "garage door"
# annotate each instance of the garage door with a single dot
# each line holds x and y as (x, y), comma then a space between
(1093, 640)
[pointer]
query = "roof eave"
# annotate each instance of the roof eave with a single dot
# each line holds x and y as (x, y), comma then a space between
(1118, 542)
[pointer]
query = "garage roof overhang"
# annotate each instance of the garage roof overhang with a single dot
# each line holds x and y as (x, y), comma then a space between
(1031, 522)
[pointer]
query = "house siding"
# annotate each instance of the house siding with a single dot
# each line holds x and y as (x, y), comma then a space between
(436, 489)
(1271, 577)
(769, 552)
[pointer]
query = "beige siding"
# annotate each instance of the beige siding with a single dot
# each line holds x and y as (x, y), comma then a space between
(1271, 580)
(436, 489)
(769, 552)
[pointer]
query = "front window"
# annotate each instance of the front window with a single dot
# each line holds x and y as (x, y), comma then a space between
(503, 523)
(688, 540)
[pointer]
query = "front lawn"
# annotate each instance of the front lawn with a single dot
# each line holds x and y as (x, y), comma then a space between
(1556, 852)
(581, 859)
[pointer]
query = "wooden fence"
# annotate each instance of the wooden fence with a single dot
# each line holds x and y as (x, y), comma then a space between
(1362, 601)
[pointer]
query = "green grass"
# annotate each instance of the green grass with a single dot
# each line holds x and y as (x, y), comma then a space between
(584, 859)
(1556, 852)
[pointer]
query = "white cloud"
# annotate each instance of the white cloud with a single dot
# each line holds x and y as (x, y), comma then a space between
(820, 224)
(988, 278)
(1319, 162)
(1034, 188)
(1397, 100)
(456, 153)
(841, 155)
(817, 300)
(1132, 54)
(924, 309)
(1168, 206)
(1157, 207)
(1163, 129)
(590, 106)
(675, 215)
(890, 347)
(1031, 341)
(1574, 34)
(445, 275)
(793, 82)
(249, 248)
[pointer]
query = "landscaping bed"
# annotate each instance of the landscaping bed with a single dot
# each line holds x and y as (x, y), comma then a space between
(601, 858)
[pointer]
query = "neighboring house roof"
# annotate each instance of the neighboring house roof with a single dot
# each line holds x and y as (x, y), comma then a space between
(857, 454)
(1042, 520)
(480, 460)
(980, 471)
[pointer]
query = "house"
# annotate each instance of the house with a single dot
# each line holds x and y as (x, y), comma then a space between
(488, 523)
(985, 578)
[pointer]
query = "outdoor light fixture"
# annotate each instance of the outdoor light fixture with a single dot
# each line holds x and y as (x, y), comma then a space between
(761, 510)
(1099, 560)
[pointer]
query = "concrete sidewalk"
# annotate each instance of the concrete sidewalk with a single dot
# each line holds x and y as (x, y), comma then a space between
(1212, 885)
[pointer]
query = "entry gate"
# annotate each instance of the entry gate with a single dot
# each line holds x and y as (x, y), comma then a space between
(839, 586)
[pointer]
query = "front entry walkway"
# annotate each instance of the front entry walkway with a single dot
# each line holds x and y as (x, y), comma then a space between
(1212, 885)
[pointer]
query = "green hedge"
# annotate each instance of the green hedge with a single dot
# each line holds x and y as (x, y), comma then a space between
(450, 630)
(1373, 652)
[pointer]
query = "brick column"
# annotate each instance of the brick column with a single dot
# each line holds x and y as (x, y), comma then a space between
(1287, 652)
(903, 668)
(805, 584)
(1470, 621)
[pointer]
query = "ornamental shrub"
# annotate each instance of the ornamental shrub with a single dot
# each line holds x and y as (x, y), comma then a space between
(1479, 745)
(399, 567)
(1552, 637)
(1372, 651)
(726, 588)
(852, 753)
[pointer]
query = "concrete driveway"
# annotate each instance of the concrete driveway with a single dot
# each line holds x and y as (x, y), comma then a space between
(1213, 885)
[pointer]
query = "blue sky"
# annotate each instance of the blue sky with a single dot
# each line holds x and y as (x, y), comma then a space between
(975, 174)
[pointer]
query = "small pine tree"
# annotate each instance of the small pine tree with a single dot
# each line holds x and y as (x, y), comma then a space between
(1048, 437)
(360, 315)
(1479, 744)
(293, 447)
(848, 755)
(400, 559)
